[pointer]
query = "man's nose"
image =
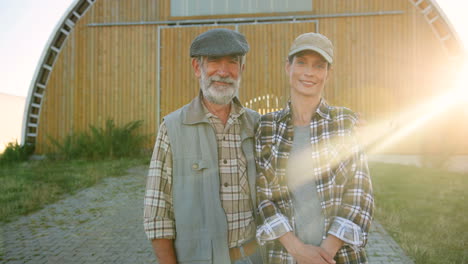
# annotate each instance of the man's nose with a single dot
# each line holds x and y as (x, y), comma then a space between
(223, 70)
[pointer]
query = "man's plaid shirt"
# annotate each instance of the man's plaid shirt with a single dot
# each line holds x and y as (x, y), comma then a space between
(341, 175)
(234, 190)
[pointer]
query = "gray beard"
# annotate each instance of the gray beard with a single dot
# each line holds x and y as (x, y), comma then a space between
(214, 95)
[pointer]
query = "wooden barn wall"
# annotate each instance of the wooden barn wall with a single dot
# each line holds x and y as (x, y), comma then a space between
(385, 66)
(102, 73)
(386, 76)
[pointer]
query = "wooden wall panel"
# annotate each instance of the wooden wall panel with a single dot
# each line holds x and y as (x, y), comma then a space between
(265, 84)
(387, 77)
(357, 6)
(112, 11)
(104, 73)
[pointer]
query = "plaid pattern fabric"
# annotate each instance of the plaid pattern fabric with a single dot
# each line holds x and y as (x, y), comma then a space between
(341, 175)
(158, 210)
(234, 189)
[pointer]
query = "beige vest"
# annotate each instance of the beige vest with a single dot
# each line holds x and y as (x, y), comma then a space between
(201, 225)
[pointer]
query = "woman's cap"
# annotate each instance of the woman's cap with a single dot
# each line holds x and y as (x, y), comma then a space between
(315, 42)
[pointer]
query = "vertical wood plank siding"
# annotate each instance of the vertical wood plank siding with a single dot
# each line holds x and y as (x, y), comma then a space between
(384, 65)
(103, 73)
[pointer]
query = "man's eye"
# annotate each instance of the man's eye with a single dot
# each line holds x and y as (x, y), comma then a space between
(234, 60)
(211, 59)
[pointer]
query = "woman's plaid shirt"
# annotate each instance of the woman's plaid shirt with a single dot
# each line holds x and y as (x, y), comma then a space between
(341, 175)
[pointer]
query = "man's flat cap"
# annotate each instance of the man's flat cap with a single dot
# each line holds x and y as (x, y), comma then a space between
(219, 42)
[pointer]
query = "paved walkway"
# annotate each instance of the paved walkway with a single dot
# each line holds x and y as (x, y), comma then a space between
(103, 224)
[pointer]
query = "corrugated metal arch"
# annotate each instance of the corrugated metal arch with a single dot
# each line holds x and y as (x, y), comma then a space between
(45, 66)
(440, 25)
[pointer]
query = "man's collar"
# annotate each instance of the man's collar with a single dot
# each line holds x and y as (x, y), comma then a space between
(196, 113)
(323, 110)
(235, 112)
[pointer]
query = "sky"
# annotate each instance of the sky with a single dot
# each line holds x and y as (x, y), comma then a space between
(26, 26)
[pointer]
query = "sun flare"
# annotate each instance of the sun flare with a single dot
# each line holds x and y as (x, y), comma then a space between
(381, 135)
(461, 86)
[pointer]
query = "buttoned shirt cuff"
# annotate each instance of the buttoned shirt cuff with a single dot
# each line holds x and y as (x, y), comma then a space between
(348, 232)
(159, 229)
(273, 228)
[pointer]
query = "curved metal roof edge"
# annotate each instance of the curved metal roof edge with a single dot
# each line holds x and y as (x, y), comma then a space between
(42, 61)
(449, 23)
(426, 7)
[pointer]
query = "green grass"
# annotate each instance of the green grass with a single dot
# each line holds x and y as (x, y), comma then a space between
(28, 186)
(424, 210)
(110, 141)
(15, 153)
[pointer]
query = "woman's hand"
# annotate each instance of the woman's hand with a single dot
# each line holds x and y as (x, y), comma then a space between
(312, 254)
(331, 245)
(304, 253)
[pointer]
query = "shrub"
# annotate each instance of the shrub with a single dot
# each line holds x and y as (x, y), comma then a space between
(16, 153)
(100, 143)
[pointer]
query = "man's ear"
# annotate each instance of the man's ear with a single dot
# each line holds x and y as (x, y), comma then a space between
(243, 67)
(196, 67)
(287, 67)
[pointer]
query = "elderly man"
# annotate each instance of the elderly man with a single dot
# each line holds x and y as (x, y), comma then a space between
(201, 183)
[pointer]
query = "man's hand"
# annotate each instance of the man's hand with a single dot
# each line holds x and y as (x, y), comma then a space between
(164, 250)
(303, 253)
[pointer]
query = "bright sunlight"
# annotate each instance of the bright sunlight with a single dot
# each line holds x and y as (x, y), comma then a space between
(379, 136)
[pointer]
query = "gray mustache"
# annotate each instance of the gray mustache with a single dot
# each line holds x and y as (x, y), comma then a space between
(222, 79)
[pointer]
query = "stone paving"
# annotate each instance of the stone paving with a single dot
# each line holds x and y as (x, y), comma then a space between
(103, 224)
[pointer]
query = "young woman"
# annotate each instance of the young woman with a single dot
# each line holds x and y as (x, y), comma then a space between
(314, 192)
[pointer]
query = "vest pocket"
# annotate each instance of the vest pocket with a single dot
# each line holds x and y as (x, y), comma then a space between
(191, 185)
(198, 165)
(189, 166)
(193, 250)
